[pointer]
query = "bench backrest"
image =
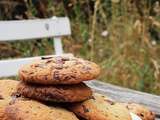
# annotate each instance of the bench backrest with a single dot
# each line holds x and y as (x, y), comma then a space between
(31, 29)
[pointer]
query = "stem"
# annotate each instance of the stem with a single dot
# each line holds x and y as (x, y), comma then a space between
(93, 28)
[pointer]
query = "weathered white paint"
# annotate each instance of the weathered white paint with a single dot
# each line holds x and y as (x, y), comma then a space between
(10, 67)
(58, 45)
(31, 29)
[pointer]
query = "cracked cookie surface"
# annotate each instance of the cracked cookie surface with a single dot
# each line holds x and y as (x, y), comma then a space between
(99, 107)
(33, 110)
(7, 87)
(59, 70)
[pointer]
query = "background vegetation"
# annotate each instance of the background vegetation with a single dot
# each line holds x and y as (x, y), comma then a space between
(122, 36)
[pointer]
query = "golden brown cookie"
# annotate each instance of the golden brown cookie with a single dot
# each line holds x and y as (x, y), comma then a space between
(7, 87)
(59, 93)
(143, 112)
(3, 103)
(33, 110)
(59, 70)
(100, 108)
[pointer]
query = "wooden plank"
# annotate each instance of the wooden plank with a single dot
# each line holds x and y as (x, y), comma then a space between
(127, 95)
(30, 29)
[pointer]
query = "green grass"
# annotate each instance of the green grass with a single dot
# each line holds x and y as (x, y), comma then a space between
(126, 55)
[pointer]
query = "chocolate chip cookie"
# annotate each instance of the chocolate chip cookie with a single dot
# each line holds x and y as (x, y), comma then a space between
(59, 70)
(99, 107)
(7, 87)
(33, 110)
(140, 110)
(56, 93)
(3, 103)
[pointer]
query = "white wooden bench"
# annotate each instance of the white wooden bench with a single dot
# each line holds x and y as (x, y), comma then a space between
(31, 29)
(56, 28)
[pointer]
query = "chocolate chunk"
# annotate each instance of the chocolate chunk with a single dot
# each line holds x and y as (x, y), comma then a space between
(1, 97)
(56, 75)
(49, 61)
(67, 78)
(85, 109)
(24, 71)
(16, 94)
(141, 114)
(65, 59)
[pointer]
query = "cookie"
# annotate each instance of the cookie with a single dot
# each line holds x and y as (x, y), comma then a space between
(33, 110)
(56, 93)
(7, 87)
(100, 108)
(59, 70)
(3, 103)
(143, 112)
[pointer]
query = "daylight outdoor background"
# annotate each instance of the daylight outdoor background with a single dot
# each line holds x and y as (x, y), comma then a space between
(122, 36)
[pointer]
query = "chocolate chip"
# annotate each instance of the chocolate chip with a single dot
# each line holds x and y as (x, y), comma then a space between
(16, 95)
(127, 107)
(65, 59)
(1, 97)
(49, 61)
(31, 73)
(44, 58)
(24, 71)
(85, 109)
(141, 114)
(56, 75)
(67, 78)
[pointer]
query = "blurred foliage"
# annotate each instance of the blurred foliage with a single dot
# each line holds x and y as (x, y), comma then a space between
(122, 36)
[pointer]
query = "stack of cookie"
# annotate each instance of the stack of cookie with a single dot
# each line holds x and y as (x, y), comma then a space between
(57, 79)
(98, 107)
(13, 107)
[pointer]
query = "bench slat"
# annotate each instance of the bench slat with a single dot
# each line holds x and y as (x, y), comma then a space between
(30, 29)
(11, 67)
(127, 95)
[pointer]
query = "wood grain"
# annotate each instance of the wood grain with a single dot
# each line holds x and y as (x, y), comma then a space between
(127, 95)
